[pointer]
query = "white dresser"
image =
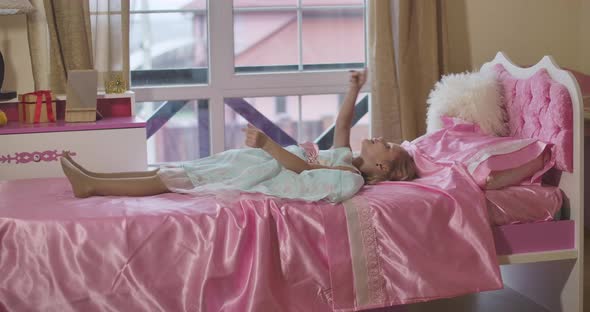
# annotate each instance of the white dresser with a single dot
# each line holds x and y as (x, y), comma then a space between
(113, 144)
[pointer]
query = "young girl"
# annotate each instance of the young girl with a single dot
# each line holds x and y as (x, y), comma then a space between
(266, 167)
(334, 175)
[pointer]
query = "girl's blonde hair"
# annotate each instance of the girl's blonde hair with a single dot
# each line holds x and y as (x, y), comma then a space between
(401, 169)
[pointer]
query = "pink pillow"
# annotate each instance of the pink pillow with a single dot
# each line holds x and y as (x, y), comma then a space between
(523, 204)
(540, 108)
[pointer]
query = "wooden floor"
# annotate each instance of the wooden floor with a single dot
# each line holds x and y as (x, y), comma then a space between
(502, 300)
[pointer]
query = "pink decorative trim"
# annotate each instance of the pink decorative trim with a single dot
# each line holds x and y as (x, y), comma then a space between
(375, 280)
(26, 157)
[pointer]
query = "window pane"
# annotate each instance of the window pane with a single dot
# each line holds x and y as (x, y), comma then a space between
(359, 132)
(265, 38)
(263, 3)
(333, 36)
(318, 114)
(178, 58)
(105, 6)
(105, 27)
(268, 113)
(151, 5)
(185, 136)
(152, 46)
(279, 118)
(331, 2)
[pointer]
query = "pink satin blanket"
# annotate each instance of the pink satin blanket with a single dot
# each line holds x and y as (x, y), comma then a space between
(393, 243)
(523, 204)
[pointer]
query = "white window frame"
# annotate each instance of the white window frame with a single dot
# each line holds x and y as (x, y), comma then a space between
(225, 83)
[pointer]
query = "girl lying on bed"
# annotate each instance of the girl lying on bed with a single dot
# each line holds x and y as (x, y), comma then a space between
(299, 172)
(266, 167)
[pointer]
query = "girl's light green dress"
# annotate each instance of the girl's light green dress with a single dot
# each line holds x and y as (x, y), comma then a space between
(253, 170)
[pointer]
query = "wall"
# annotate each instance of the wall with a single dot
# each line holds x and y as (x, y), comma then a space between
(525, 29)
(584, 57)
(15, 49)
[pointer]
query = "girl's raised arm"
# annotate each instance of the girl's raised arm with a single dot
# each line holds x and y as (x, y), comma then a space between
(257, 139)
(344, 119)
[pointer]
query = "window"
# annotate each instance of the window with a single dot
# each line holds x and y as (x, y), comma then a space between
(306, 118)
(179, 130)
(281, 104)
(168, 42)
(280, 64)
(289, 35)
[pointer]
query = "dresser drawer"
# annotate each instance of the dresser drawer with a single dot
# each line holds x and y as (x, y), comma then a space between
(36, 155)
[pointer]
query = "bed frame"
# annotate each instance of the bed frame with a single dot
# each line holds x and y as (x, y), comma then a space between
(545, 261)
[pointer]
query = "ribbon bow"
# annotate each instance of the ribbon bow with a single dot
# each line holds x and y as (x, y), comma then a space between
(311, 152)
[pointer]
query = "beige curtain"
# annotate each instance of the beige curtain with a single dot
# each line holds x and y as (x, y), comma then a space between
(70, 44)
(80, 34)
(407, 55)
(38, 35)
(110, 38)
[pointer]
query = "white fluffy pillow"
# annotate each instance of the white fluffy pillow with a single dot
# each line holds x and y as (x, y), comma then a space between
(474, 97)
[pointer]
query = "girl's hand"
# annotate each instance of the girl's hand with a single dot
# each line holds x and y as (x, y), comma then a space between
(254, 137)
(358, 78)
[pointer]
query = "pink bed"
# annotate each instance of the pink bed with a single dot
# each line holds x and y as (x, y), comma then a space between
(394, 243)
(178, 253)
(389, 245)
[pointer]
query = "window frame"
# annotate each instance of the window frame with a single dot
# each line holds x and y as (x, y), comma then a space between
(224, 82)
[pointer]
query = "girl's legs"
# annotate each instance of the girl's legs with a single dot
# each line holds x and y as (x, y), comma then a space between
(84, 185)
(504, 178)
(110, 175)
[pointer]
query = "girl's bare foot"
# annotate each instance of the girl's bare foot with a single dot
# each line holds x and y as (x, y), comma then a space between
(78, 179)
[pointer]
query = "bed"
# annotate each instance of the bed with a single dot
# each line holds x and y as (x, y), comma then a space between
(205, 253)
(551, 276)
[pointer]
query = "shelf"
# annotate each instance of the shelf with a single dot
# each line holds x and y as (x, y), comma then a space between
(15, 127)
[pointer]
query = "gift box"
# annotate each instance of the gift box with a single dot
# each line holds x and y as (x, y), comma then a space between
(37, 107)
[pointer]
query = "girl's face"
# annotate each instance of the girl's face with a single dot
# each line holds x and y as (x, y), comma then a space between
(377, 155)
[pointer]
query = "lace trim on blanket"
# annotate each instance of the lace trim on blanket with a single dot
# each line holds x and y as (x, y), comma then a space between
(376, 282)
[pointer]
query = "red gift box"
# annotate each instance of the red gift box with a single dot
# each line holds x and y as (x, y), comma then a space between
(36, 107)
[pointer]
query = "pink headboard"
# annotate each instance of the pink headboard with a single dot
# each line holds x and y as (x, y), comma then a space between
(538, 107)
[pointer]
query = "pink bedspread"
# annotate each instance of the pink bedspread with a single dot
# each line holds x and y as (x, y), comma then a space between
(164, 253)
(394, 243)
